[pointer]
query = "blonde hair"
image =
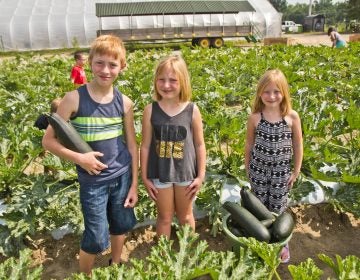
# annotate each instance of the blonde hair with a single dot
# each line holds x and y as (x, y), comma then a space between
(54, 105)
(273, 76)
(108, 45)
(178, 65)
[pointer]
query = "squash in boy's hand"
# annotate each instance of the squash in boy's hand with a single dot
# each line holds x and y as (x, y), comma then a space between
(67, 135)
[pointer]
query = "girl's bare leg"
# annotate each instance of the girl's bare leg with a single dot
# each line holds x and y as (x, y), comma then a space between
(183, 207)
(165, 209)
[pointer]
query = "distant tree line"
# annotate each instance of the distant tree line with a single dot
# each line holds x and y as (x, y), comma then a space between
(335, 13)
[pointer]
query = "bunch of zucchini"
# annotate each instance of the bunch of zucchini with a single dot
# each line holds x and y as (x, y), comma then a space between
(253, 219)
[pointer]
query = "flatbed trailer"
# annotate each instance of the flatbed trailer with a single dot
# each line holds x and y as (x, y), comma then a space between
(200, 32)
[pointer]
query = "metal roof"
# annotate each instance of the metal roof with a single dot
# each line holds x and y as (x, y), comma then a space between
(172, 8)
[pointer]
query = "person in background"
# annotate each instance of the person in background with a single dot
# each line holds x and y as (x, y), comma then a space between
(172, 155)
(78, 76)
(337, 41)
(274, 148)
(42, 121)
(108, 176)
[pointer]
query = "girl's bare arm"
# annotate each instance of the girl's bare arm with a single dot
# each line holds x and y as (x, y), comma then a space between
(144, 151)
(250, 139)
(130, 139)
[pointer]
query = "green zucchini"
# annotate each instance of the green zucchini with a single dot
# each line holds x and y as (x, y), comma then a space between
(67, 135)
(254, 205)
(235, 229)
(268, 222)
(283, 226)
(247, 221)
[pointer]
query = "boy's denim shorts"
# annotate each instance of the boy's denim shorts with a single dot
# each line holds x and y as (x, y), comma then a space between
(103, 210)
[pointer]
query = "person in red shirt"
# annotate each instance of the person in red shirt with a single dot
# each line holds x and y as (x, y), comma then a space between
(78, 76)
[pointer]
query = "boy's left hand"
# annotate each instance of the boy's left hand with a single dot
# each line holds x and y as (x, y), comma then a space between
(131, 199)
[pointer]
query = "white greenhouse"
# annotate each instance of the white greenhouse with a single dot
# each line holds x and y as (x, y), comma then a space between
(52, 24)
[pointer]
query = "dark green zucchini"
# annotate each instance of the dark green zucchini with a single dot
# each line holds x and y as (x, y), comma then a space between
(247, 221)
(283, 226)
(67, 135)
(268, 222)
(235, 228)
(254, 205)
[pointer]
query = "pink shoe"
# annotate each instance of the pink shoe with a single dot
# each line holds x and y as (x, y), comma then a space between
(285, 254)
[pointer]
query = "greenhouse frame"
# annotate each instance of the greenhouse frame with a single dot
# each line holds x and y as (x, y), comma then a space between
(54, 24)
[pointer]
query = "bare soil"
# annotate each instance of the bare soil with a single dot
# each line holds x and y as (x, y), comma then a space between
(319, 229)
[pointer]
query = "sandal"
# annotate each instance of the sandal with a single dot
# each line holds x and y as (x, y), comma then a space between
(285, 254)
(111, 263)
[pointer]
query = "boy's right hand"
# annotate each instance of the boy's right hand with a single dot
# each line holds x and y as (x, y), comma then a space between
(89, 162)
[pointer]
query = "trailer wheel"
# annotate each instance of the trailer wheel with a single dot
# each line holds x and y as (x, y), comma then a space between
(204, 42)
(217, 42)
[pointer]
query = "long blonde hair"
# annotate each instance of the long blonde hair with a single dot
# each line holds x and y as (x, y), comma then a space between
(178, 65)
(273, 76)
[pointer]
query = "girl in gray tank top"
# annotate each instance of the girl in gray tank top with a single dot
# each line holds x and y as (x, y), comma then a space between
(173, 151)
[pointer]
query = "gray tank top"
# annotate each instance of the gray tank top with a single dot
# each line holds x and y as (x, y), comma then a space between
(172, 156)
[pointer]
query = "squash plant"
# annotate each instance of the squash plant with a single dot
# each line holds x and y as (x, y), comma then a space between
(324, 86)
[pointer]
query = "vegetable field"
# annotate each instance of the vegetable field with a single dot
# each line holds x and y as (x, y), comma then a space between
(39, 192)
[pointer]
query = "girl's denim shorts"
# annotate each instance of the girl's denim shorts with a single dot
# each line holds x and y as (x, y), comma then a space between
(103, 210)
(161, 185)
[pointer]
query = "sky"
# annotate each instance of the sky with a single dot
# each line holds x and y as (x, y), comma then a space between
(292, 2)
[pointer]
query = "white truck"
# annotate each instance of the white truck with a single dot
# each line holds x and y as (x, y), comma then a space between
(289, 26)
(205, 23)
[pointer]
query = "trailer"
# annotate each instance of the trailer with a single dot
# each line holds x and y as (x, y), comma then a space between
(204, 23)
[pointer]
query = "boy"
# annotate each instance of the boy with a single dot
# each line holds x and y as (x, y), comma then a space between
(107, 176)
(42, 121)
(78, 76)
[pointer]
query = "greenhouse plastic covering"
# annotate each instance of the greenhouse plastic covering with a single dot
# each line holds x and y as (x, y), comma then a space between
(52, 24)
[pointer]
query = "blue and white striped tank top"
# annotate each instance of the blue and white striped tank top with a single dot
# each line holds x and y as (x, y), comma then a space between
(101, 126)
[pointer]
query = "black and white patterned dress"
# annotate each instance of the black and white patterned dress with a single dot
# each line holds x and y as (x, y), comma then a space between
(270, 164)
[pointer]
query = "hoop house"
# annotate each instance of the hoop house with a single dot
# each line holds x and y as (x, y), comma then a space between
(52, 24)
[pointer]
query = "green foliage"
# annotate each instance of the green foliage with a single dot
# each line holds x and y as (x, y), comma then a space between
(353, 9)
(145, 208)
(190, 260)
(208, 199)
(279, 5)
(38, 206)
(20, 269)
(269, 253)
(305, 271)
(347, 199)
(335, 12)
(324, 87)
(344, 269)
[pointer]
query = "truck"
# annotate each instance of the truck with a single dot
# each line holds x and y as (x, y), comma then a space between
(204, 23)
(289, 26)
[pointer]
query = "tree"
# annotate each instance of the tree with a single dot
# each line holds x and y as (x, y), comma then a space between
(279, 5)
(296, 13)
(353, 10)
